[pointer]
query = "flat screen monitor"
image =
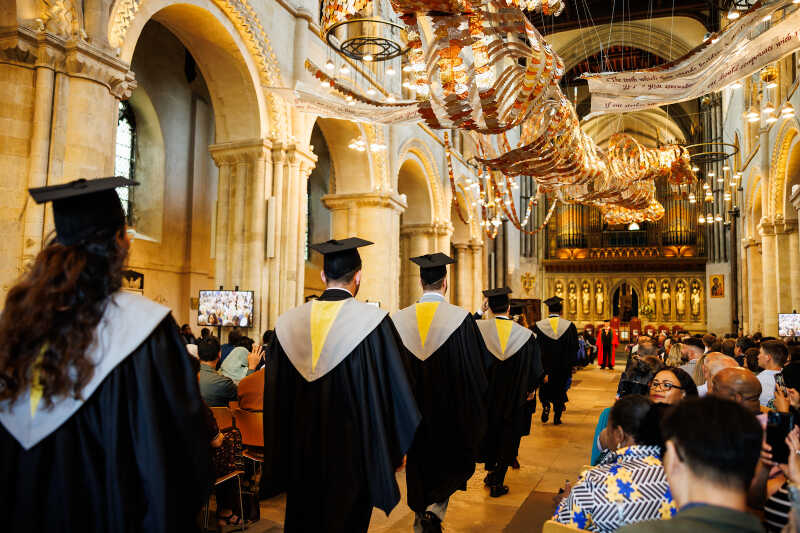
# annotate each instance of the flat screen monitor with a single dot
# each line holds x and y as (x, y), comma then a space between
(225, 308)
(789, 324)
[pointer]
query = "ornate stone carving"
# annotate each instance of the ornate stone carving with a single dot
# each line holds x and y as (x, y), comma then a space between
(59, 18)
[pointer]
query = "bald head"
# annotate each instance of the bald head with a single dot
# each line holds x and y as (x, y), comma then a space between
(713, 363)
(740, 385)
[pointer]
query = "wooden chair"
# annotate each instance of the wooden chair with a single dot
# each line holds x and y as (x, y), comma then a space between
(223, 417)
(551, 526)
(251, 424)
(235, 474)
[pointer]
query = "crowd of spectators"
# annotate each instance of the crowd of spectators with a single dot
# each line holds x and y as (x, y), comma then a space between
(685, 446)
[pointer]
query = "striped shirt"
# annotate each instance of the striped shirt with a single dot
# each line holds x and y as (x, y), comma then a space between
(776, 509)
(628, 487)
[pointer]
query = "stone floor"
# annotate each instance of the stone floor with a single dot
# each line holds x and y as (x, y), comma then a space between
(548, 458)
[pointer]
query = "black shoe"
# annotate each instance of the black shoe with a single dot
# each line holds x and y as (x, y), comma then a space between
(498, 490)
(515, 464)
(545, 414)
(489, 479)
(557, 419)
(431, 523)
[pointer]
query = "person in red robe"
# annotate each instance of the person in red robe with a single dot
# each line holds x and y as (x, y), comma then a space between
(607, 342)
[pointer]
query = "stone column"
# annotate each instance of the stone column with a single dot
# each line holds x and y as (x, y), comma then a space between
(769, 269)
(785, 231)
(756, 286)
(795, 254)
(274, 228)
(744, 295)
(241, 220)
(463, 278)
(374, 216)
(477, 276)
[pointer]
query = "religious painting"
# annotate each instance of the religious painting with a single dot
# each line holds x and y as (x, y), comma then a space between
(133, 281)
(718, 286)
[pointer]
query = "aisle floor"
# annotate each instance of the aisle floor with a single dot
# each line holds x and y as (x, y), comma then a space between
(550, 456)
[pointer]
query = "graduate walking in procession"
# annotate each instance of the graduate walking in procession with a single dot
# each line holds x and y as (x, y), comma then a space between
(607, 342)
(339, 413)
(558, 343)
(513, 376)
(447, 361)
(93, 382)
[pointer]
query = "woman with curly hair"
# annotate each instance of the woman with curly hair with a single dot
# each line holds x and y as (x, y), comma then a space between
(101, 420)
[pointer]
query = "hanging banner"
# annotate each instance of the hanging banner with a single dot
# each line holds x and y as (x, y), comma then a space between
(740, 50)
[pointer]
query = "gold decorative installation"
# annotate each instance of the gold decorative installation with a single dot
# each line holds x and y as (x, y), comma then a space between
(481, 66)
(528, 280)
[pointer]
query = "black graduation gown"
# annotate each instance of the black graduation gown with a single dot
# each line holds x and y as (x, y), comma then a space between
(537, 373)
(510, 382)
(558, 357)
(134, 457)
(450, 388)
(334, 443)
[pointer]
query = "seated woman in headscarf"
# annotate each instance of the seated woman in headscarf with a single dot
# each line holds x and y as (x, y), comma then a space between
(630, 485)
(242, 360)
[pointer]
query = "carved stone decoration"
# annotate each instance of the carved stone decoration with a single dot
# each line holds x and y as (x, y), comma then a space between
(586, 298)
(666, 298)
(59, 18)
(559, 289)
(651, 299)
(680, 298)
(599, 297)
(695, 299)
(572, 298)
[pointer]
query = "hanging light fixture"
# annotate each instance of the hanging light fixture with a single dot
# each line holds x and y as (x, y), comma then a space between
(718, 218)
(787, 110)
(726, 196)
(633, 226)
(695, 168)
(390, 99)
(711, 174)
(343, 69)
(708, 197)
(390, 71)
(771, 118)
(701, 219)
(371, 91)
(768, 108)
(752, 115)
(692, 198)
(733, 14)
(329, 65)
(721, 179)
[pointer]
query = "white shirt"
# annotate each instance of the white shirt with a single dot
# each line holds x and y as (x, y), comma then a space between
(702, 390)
(767, 379)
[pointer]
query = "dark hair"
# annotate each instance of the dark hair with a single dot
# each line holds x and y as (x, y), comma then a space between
(709, 339)
(51, 314)
(435, 286)
(245, 342)
(205, 332)
(647, 348)
(695, 343)
(268, 337)
(683, 377)
(639, 418)
(757, 336)
(208, 349)
(751, 359)
(184, 326)
(791, 375)
(776, 350)
(345, 278)
(234, 336)
(728, 346)
(636, 379)
(718, 439)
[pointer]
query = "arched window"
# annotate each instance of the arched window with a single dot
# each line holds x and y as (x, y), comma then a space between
(125, 155)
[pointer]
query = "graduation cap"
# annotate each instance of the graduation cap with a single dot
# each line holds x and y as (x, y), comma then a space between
(82, 208)
(341, 256)
(432, 267)
(554, 302)
(498, 298)
(517, 310)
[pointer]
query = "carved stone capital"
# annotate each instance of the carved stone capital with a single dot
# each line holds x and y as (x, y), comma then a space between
(240, 152)
(389, 200)
(418, 229)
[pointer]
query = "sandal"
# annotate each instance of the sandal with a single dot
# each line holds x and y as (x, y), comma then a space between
(230, 520)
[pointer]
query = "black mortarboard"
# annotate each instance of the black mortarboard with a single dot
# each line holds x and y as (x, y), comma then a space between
(498, 298)
(341, 256)
(516, 310)
(432, 267)
(553, 301)
(81, 208)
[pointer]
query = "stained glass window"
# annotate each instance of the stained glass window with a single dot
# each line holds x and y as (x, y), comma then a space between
(125, 160)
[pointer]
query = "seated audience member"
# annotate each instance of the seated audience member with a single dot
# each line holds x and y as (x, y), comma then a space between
(629, 486)
(708, 341)
(674, 355)
(233, 341)
(772, 357)
(751, 360)
(713, 363)
(729, 347)
(186, 335)
(205, 333)
(794, 351)
(738, 385)
(238, 364)
(672, 385)
(216, 389)
(742, 345)
(251, 391)
(636, 381)
(712, 447)
(226, 450)
(692, 349)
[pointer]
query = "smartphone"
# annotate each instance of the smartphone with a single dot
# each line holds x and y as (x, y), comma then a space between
(778, 427)
(781, 383)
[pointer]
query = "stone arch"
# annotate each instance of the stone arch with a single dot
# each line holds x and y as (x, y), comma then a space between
(225, 56)
(784, 165)
(754, 207)
(418, 151)
(352, 170)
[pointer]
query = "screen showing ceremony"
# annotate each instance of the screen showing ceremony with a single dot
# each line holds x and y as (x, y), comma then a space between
(225, 308)
(788, 324)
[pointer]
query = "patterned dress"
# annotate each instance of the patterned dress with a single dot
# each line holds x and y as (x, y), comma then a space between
(629, 486)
